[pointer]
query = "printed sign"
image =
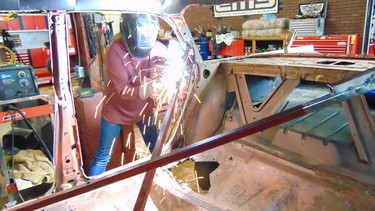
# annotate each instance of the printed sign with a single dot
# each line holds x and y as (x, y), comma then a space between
(13, 116)
(252, 7)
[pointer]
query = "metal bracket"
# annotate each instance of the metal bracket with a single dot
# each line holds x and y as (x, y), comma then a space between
(362, 127)
(269, 106)
(67, 147)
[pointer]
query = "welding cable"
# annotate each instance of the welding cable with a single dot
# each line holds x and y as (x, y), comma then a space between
(12, 159)
(12, 58)
(10, 17)
(11, 107)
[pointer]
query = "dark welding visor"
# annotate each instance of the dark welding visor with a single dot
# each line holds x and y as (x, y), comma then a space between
(139, 33)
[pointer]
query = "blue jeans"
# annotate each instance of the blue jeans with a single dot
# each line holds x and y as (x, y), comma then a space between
(107, 137)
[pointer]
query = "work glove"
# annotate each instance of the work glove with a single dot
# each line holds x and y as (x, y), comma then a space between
(150, 89)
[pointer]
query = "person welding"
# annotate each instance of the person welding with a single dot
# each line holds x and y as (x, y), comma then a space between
(131, 91)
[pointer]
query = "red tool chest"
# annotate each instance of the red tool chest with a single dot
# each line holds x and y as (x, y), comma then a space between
(330, 44)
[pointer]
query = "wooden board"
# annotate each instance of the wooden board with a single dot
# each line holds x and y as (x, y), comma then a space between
(319, 68)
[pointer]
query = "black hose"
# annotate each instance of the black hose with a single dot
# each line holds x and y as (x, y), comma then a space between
(12, 166)
(11, 107)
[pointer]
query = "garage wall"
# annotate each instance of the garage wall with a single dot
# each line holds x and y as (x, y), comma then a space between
(343, 17)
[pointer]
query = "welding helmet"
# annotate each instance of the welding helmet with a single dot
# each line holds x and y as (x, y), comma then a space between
(139, 33)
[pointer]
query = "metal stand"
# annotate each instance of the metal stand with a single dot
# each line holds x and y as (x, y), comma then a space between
(44, 108)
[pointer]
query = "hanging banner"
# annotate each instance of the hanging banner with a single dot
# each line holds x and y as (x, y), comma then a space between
(252, 7)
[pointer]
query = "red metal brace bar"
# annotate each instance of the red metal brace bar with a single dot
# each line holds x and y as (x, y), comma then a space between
(149, 177)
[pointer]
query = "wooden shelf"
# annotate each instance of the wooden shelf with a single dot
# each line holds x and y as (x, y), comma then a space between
(281, 38)
(255, 39)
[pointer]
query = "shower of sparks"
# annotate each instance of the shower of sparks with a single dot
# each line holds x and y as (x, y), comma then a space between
(126, 64)
(157, 110)
(134, 156)
(149, 120)
(170, 70)
(129, 36)
(109, 82)
(135, 78)
(197, 98)
(128, 141)
(126, 55)
(144, 130)
(171, 75)
(196, 180)
(113, 143)
(132, 92)
(162, 199)
(148, 145)
(97, 107)
(168, 78)
(143, 109)
(122, 158)
(123, 92)
(136, 66)
(156, 116)
(109, 98)
(143, 86)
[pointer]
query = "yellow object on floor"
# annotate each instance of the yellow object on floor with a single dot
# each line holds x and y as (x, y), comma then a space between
(31, 165)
